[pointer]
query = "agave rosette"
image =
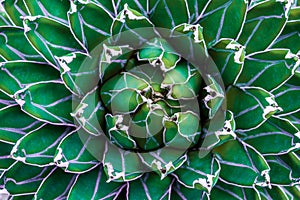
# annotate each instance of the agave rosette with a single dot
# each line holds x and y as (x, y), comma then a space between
(87, 113)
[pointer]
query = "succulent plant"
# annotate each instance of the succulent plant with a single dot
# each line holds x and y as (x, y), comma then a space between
(150, 99)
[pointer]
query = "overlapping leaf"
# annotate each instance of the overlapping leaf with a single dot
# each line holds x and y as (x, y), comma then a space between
(275, 136)
(54, 186)
(255, 105)
(50, 37)
(10, 131)
(82, 17)
(237, 159)
(32, 150)
(85, 154)
(227, 17)
(264, 18)
(150, 186)
(95, 185)
(14, 45)
(15, 9)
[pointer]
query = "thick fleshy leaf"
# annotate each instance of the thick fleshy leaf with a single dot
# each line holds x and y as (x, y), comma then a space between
(113, 59)
(150, 186)
(214, 98)
(253, 107)
(56, 185)
(32, 150)
(77, 70)
(121, 165)
(10, 131)
(215, 136)
(4, 20)
(82, 21)
(167, 14)
(18, 75)
(199, 172)
(228, 192)
(276, 193)
(95, 186)
(265, 18)
(90, 113)
(284, 169)
(290, 36)
(50, 102)
(14, 45)
(56, 9)
(273, 67)
(223, 19)
(15, 9)
(5, 159)
(5, 100)
(49, 37)
(132, 28)
(242, 165)
(275, 136)
(24, 179)
(182, 82)
(86, 152)
(165, 160)
(180, 192)
(228, 55)
(287, 96)
(293, 192)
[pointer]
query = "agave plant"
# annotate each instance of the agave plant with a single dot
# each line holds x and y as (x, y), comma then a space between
(150, 99)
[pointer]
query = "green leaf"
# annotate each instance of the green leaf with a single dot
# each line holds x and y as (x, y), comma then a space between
(121, 165)
(62, 182)
(290, 36)
(50, 102)
(276, 193)
(24, 179)
(214, 136)
(164, 161)
(90, 113)
(56, 9)
(95, 186)
(132, 28)
(10, 131)
(263, 19)
(82, 21)
(15, 9)
(150, 186)
(284, 169)
(182, 82)
(5, 159)
(287, 96)
(275, 136)
(254, 107)
(49, 37)
(229, 192)
(228, 55)
(4, 20)
(198, 172)
(31, 149)
(214, 99)
(18, 75)
(223, 19)
(180, 192)
(86, 152)
(274, 66)
(77, 69)
(167, 14)
(14, 45)
(5, 100)
(292, 192)
(242, 165)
